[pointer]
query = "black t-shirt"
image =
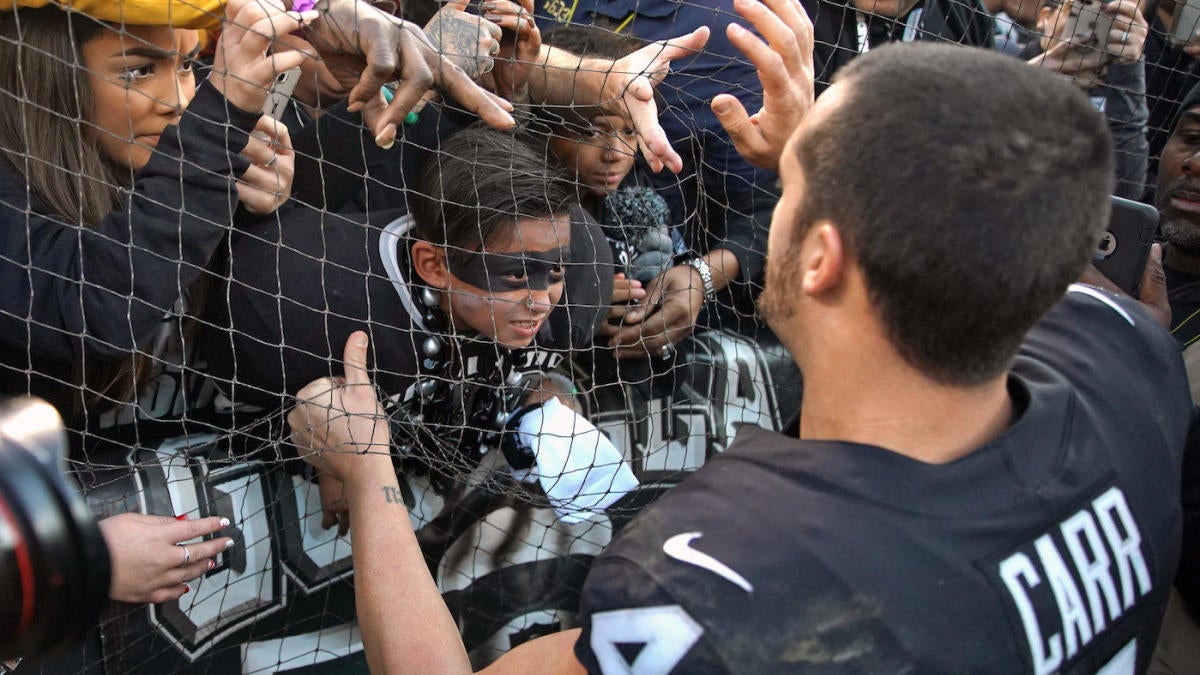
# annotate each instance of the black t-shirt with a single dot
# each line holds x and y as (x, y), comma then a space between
(1051, 548)
(1183, 292)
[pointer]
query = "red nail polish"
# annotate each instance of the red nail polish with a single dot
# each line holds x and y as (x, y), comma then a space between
(181, 517)
(211, 564)
(186, 589)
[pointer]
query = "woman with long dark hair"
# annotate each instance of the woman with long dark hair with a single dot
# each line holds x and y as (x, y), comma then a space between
(113, 201)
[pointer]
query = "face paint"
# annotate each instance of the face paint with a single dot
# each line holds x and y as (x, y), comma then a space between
(499, 272)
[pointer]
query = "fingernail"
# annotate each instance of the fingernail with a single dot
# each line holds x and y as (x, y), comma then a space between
(736, 29)
(224, 522)
(211, 564)
(309, 16)
(360, 340)
(186, 589)
(385, 144)
(181, 517)
(722, 106)
(228, 543)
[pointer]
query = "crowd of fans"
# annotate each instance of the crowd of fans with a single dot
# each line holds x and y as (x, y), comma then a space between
(269, 231)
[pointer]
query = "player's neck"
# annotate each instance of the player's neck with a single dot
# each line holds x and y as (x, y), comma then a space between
(887, 403)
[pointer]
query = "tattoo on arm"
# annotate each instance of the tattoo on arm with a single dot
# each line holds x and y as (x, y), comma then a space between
(392, 495)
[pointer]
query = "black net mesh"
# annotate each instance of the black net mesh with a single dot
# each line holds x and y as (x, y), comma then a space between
(171, 318)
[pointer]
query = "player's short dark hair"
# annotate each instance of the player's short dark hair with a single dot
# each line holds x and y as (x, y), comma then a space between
(971, 190)
(481, 180)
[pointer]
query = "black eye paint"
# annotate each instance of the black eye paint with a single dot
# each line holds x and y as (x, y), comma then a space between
(500, 272)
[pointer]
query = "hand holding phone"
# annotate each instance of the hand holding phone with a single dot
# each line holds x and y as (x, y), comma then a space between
(1184, 22)
(1122, 251)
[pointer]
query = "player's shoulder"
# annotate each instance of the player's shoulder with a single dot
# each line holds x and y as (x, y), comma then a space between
(1091, 332)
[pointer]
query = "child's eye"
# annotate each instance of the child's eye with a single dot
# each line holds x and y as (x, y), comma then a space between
(517, 276)
(133, 74)
(557, 273)
(188, 66)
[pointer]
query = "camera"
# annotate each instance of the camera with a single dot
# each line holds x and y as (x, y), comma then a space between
(54, 565)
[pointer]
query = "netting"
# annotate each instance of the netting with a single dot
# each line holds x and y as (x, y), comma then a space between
(171, 317)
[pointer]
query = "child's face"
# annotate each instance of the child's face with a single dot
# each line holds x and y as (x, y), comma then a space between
(506, 290)
(599, 155)
(141, 79)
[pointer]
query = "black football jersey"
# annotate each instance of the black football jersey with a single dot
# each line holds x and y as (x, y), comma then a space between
(1049, 549)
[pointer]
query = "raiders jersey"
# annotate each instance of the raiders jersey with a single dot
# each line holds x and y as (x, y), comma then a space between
(1050, 549)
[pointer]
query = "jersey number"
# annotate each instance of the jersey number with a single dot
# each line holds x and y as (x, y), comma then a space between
(644, 640)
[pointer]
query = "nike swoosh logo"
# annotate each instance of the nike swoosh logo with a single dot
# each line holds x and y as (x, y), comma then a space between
(680, 548)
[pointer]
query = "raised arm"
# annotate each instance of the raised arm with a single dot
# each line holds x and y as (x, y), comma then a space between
(785, 69)
(340, 428)
(624, 88)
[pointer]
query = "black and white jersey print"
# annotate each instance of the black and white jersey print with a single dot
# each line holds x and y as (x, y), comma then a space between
(1050, 549)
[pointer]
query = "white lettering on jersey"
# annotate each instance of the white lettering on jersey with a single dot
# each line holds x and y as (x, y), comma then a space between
(1082, 616)
(679, 548)
(657, 637)
(1012, 569)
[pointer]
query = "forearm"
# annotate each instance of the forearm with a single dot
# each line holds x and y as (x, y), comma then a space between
(724, 266)
(405, 624)
(562, 78)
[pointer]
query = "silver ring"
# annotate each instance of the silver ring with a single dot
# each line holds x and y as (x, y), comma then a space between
(271, 162)
(187, 555)
(667, 352)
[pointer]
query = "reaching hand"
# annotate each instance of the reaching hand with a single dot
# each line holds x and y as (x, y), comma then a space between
(338, 424)
(148, 565)
(243, 67)
(267, 184)
(1152, 290)
(625, 296)
(628, 92)
(785, 69)
(673, 303)
(1127, 36)
(519, 47)
(469, 41)
(367, 48)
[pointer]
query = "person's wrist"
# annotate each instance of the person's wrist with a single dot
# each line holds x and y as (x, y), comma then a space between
(702, 270)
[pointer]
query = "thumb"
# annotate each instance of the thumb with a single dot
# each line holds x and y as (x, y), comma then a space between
(1153, 290)
(354, 359)
(732, 115)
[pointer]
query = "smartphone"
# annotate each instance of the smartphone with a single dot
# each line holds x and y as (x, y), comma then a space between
(1122, 251)
(1184, 23)
(1088, 24)
(281, 92)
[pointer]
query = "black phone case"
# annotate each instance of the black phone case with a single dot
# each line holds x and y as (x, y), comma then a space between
(1122, 251)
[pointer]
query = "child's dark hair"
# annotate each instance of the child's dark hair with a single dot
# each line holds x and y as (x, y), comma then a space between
(592, 41)
(481, 180)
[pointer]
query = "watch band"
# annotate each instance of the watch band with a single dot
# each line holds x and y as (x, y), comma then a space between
(701, 265)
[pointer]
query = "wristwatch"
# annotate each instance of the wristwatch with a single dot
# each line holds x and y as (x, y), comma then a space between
(701, 265)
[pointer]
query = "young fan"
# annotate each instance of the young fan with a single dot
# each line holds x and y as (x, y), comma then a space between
(457, 296)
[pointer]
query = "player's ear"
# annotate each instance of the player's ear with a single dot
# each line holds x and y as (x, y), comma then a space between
(429, 262)
(822, 259)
